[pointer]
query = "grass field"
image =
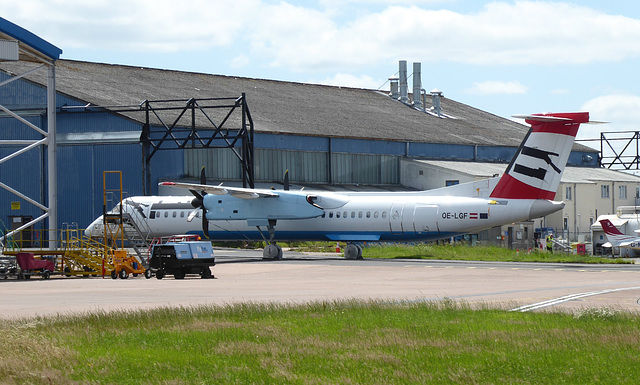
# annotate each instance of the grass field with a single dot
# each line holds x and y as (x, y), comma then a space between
(348, 342)
(462, 252)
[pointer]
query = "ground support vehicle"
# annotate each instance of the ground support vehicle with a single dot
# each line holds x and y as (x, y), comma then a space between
(181, 258)
(8, 266)
(30, 265)
(124, 264)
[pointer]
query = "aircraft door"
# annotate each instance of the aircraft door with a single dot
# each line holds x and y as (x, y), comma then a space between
(425, 219)
(395, 218)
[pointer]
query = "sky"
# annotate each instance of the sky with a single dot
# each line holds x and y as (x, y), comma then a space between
(503, 57)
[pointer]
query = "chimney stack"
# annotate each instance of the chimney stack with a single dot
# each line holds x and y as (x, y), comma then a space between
(395, 94)
(436, 94)
(417, 86)
(404, 92)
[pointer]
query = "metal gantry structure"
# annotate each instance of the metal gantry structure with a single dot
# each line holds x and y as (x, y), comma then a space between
(177, 124)
(199, 130)
(620, 150)
(18, 44)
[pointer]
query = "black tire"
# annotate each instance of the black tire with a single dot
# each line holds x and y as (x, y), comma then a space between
(114, 275)
(205, 273)
(123, 274)
(46, 274)
(160, 274)
(147, 274)
(178, 274)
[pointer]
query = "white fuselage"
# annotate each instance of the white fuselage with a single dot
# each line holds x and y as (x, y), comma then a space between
(353, 217)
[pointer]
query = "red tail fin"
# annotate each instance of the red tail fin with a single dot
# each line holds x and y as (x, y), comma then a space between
(537, 166)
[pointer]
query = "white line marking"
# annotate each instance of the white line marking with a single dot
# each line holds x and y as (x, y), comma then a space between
(567, 298)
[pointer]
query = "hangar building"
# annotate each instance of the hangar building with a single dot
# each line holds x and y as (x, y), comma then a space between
(327, 137)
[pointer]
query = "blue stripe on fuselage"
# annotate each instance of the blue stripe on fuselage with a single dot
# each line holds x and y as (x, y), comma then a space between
(353, 236)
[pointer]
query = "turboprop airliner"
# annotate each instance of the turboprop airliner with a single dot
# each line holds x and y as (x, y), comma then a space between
(525, 191)
(618, 239)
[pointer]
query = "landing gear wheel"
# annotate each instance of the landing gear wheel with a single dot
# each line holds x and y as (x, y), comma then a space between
(123, 274)
(160, 274)
(272, 252)
(178, 274)
(147, 274)
(114, 275)
(46, 274)
(353, 252)
(205, 273)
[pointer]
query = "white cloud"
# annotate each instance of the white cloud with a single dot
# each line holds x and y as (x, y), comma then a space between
(302, 38)
(621, 111)
(240, 61)
(492, 87)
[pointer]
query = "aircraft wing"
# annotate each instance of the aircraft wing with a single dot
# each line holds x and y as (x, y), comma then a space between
(237, 192)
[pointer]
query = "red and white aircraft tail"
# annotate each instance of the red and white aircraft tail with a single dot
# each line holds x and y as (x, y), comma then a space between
(536, 169)
(615, 236)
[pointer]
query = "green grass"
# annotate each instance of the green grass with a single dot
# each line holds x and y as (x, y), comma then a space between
(349, 342)
(477, 253)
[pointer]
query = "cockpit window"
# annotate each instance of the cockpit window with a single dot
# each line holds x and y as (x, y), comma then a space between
(115, 209)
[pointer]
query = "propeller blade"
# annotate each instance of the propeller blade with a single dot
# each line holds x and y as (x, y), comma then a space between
(205, 224)
(193, 214)
(205, 221)
(286, 180)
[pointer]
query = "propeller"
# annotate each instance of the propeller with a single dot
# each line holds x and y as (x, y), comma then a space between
(198, 203)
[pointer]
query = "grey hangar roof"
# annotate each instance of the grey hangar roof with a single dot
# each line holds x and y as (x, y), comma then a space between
(285, 107)
(482, 170)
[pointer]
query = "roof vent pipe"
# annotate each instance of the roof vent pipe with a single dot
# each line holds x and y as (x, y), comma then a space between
(436, 94)
(395, 94)
(404, 92)
(417, 85)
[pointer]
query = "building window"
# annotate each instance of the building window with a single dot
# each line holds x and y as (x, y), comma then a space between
(604, 191)
(451, 183)
(567, 193)
(622, 192)
(565, 223)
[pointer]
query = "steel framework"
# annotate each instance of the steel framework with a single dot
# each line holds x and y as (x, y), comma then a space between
(620, 150)
(159, 133)
(18, 44)
(188, 124)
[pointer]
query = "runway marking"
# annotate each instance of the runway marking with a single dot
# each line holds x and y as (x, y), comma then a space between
(567, 298)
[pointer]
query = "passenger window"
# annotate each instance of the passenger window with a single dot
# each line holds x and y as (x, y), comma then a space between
(368, 214)
(324, 214)
(166, 214)
(337, 214)
(384, 214)
(181, 214)
(360, 214)
(353, 214)
(330, 214)
(375, 214)
(175, 214)
(345, 214)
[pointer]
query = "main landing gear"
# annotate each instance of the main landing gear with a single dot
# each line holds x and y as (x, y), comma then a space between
(272, 250)
(353, 251)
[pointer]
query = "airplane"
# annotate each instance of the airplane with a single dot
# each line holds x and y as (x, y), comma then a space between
(617, 238)
(525, 191)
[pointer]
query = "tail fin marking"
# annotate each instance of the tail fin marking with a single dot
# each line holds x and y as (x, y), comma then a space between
(537, 166)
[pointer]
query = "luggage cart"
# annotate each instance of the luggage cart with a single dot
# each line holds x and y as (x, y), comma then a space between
(30, 265)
